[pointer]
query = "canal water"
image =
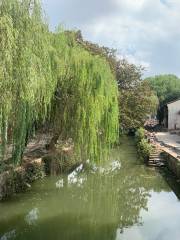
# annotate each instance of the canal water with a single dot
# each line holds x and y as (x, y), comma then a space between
(120, 200)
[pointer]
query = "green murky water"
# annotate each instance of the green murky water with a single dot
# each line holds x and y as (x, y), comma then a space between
(121, 200)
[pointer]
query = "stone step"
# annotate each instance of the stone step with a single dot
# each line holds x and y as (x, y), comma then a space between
(155, 153)
(152, 165)
(160, 164)
(154, 158)
(156, 164)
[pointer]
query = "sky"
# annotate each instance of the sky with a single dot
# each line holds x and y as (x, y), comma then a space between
(145, 32)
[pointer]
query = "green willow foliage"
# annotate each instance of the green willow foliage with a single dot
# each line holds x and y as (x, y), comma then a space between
(26, 83)
(43, 76)
(86, 107)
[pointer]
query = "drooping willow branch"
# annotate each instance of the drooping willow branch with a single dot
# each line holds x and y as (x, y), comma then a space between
(35, 64)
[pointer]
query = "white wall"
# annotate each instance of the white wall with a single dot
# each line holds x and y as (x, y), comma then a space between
(174, 115)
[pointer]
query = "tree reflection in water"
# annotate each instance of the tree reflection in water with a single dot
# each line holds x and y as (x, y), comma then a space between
(89, 209)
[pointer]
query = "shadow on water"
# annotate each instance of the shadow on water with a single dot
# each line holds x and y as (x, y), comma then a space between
(171, 180)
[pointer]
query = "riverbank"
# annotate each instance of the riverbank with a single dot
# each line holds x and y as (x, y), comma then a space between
(37, 163)
(168, 146)
(19, 179)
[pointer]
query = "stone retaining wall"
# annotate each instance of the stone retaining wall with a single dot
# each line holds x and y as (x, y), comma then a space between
(19, 179)
(173, 163)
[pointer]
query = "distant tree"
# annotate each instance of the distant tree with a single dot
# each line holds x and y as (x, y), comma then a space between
(136, 99)
(167, 88)
(129, 76)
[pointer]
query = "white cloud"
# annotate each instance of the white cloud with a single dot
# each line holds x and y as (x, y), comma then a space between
(132, 5)
(146, 31)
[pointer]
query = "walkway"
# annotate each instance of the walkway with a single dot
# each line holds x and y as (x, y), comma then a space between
(169, 142)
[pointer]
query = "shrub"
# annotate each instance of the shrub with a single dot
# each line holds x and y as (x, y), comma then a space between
(34, 171)
(144, 148)
(140, 134)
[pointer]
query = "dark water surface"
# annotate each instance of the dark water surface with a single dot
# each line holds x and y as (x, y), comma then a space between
(121, 200)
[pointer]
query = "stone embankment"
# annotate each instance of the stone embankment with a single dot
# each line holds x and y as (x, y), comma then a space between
(19, 179)
(37, 163)
(166, 151)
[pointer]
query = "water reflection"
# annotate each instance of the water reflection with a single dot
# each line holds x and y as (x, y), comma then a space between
(114, 201)
(9, 235)
(32, 216)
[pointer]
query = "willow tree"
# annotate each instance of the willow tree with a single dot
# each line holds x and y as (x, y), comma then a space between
(26, 79)
(85, 106)
(46, 75)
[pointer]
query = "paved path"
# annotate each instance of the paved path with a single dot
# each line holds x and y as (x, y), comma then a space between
(170, 142)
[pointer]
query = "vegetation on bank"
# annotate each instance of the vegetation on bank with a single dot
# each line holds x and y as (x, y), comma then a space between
(19, 179)
(144, 147)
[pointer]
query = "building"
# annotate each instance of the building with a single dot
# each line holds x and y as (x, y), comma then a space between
(172, 116)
